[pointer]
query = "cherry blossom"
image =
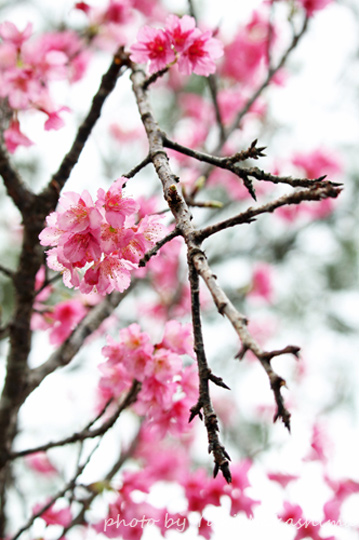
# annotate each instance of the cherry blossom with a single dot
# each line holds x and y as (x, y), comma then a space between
(14, 137)
(199, 57)
(11, 34)
(311, 6)
(154, 46)
(102, 238)
(180, 31)
(52, 516)
(262, 282)
(181, 41)
(246, 54)
(40, 463)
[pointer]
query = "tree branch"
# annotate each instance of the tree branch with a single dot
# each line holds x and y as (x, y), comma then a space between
(69, 486)
(271, 72)
(152, 252)
(65, 353)
(317, 193)
(15, 187)
(87, 432)
(182, 216)
(118, 66)
(221, 457)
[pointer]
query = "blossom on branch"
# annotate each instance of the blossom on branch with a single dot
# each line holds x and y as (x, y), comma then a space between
(180, 41)
(102, 238)
(154, 46)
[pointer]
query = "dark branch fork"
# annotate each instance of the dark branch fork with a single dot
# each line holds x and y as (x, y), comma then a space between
(198, 264)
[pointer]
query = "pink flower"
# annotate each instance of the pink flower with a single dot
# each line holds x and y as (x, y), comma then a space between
(79, 213)
(319, 445)
(40, 462)
(57, 55)
(342, 489)
(20, 87)
(54, 120)
(262, 282)
(114, 380)
(55, 517)
(152, 45)
(8, 55)
(317, 163)
(282, 478)
(81, 248)
(115, 239)
(180, 31)
(311, 6)
(118, 12)
(195, 106)
(10, 33)
(137, 349)
(14, 137)
(66, 316)
(145, 234)
(116, 206)
(245, 55)
(112, 273)
(102, 234)
(292, 514)
(178, 338)
(200, 55)
(83, 6)
(164, 365)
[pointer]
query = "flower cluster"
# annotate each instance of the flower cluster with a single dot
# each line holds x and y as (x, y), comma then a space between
(127, 517)
(103, 238)
(179, 42)
(27, 68)
(247, 53)
(315, 164)
(168, 388)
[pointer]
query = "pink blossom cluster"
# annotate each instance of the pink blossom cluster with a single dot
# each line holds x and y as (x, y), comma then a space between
(164, 461)
(110, 23)
(168, 388)
(247, 53)
(179, 42)
(97, 245)
(54, 515)
(27, 67)
(314, 164)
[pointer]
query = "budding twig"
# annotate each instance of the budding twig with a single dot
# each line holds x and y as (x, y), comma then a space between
(221, 457)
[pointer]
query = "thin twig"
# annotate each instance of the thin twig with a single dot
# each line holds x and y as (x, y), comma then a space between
(118, 66)
(152, 252)
(221, 457)
(69, 486)
(65, 353)
(231, 163)
(181, 213)
(6, 271)
(79, 519)
(212, 84)
(154, 77)
(271, 72)
(87, 433)
(138, 168)
(240, 115)
(317, 193)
